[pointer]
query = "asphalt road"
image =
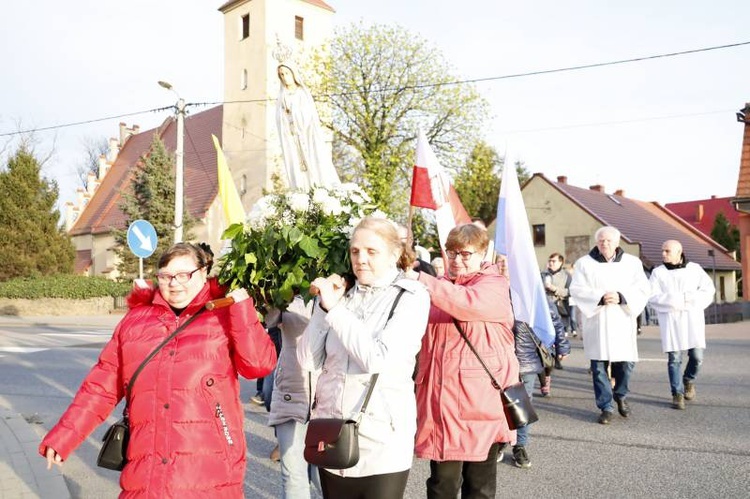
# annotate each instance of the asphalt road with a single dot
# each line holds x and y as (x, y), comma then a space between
(657, 452)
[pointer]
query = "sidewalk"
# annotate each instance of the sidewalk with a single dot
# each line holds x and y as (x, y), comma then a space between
(23, 473)
(109, 320)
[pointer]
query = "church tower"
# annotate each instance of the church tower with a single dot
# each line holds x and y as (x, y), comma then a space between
(252, 31)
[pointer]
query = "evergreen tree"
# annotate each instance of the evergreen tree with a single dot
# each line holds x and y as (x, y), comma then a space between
(726, 234)
(150, 197)
(31, 241)
(478, 183)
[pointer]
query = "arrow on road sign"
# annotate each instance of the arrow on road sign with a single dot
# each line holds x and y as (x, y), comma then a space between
(145, 240)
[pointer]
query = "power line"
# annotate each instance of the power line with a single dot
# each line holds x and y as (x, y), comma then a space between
(418, 86)
(86, 122)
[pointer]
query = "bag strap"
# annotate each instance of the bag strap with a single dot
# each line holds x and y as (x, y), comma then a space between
(495, 384)
(153, 353)
(374, 377)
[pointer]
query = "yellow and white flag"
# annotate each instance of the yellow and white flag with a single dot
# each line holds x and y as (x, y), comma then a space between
(230, 198)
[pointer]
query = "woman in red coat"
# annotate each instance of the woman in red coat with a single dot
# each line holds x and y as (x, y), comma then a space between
(186, 418)
(460, 417)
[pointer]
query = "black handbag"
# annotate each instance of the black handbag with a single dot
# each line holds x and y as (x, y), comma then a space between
(516, 402)
(545, 356)
(333, 443)
(113, 454)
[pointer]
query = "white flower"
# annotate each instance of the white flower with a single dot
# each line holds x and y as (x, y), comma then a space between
(299, 202)
(262, 211)
(332, 206)
(320, 195)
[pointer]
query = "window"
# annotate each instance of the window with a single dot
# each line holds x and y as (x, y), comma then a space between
(299, 28)
(540, 238)
(243, 80)
(245, 26)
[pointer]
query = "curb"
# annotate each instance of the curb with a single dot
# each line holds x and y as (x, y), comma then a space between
(23, 472)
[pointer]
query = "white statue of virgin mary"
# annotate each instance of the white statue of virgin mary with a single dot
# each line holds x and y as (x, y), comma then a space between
(307, 159)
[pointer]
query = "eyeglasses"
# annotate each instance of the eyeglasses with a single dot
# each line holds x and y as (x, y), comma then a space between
(465, 255)
(180, 277)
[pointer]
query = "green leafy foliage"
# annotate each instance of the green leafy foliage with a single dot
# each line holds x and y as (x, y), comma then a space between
(31, 241)
(290, 238)
(68, 286)
(478, 183)
(383, 85)
(150, 196)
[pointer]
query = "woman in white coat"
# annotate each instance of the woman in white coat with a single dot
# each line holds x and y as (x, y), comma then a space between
(350, 338)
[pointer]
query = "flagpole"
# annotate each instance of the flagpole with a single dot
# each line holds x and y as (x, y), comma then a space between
(409, 218)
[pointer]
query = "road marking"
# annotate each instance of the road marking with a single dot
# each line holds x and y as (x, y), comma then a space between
(105, 334)
(22, 349)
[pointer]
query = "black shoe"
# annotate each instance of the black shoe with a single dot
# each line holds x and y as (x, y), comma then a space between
(605, 417)
(520, 458)
(558, 364)
(622, 407)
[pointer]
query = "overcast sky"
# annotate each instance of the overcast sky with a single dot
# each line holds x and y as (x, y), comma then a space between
(662, 129)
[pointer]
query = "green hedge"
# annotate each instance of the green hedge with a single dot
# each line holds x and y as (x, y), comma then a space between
(65, 286)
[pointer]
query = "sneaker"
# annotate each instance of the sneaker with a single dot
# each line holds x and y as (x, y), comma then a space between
(545, 388)
(689, 390)
(605, 417)
(575, 334)
(500, 453)
(520, 458)
(678, 402)
(622, 407)
(257, 399)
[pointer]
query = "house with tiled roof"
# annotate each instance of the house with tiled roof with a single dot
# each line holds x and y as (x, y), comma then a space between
(245, 125)
(564, 219)
(741, 200)
(91, 232)
(702, 213)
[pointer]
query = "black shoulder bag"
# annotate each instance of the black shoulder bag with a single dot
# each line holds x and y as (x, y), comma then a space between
(333, 443)
(516, 402)
(113, 454)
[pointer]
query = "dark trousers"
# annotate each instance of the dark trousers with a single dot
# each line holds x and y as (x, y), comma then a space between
(476, 480)
(386, 486)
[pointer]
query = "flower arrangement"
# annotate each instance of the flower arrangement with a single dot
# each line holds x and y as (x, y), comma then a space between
(290, 238)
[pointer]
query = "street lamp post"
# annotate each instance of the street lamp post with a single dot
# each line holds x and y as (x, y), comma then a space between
(179, 165)
(712, 254)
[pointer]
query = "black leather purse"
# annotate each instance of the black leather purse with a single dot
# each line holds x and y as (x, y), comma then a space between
(333, 443)
(113, 454)
(516, 402)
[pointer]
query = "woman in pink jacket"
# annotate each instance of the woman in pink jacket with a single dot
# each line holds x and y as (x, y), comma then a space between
(460, 417)
(186, 418)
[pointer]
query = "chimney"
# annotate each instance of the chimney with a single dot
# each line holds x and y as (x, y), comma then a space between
(562, 179)
(699, 213)
(597, 188)
(126, 133)
(713, 196)
(620, 192)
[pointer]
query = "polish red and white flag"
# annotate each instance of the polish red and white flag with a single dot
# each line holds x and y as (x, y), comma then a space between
(432, 188)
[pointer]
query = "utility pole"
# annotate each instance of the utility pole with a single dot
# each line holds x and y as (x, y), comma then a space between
(712, 254)
(179, 196)
(179, 171)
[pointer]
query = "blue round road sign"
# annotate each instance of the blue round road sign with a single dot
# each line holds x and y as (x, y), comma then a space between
(142, 239)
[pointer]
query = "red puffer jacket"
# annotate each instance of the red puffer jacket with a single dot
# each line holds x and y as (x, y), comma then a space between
(186, 418)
